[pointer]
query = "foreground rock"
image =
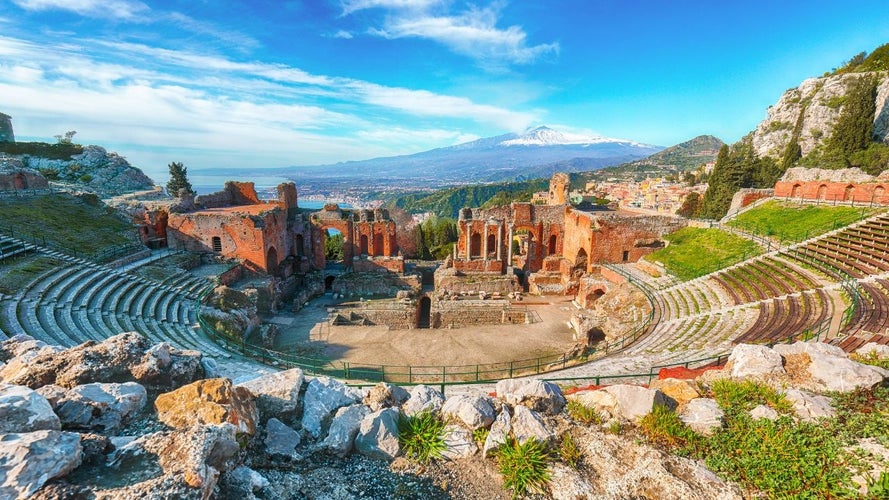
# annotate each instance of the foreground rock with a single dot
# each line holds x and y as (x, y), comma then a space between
(277, 394)
(472, 410)
(324, 396)
(101, 407)
(540, 396)
(24, 410)
(29, 460)
(827, 368)
(378, 435)
(210, 401)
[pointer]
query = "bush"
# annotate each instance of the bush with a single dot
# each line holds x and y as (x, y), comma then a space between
(583, 414)
(663, 427)
(421, 436)
(741, 396)
(524, 466)
(85, 178)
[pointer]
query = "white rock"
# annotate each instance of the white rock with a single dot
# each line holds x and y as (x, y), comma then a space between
(323, 396)
(344, 428)
(24, 410)
(873, 349)
(601, 401)
(500, 430)
(831, 370)
(702, 415)
(527, 424)
(808, 406)
(763, 411)
(748, 360)
(809, 348)
(277, 392)
(385, 395)
(459, 443)
(568, 484)
(473, 410)
(29, 460)
(378, 435)
(634, 402)
(536, 394)
(101, 406)
(423, 398)
(281, 440)
(249, 476)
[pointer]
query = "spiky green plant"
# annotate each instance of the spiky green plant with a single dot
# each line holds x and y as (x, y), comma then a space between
(421, 436)
(569, 452)
(583, 414)
(524, 466)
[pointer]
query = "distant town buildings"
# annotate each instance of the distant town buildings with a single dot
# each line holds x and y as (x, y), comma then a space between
(650, 195)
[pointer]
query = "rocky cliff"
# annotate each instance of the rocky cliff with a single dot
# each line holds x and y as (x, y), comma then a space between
(94, 168)
(6, 134)
(817, 102)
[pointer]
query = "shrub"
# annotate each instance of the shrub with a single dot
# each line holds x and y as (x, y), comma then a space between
(524, 466)
(86, 178)
(421, 436)
(663, 427)
(569, 452)
(480, 435)
(51, 174)
(583, 414)
(740, 396)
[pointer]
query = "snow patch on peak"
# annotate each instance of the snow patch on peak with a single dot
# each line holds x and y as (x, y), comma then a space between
(545, 136)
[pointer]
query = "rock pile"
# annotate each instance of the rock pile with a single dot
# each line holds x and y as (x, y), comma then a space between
(125, 419)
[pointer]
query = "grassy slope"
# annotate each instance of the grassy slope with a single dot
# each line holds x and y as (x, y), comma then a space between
(791, 223)
(66, 221)
(694, 252)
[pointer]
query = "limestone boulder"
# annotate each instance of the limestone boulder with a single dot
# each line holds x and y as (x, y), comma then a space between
(323, 396)
(423, 398)
(343, 429)
(763, 411)
(749, 360)
(527, 424)
(474, 411)
(277, 394)
(879, 351)
(605, 403)
(385, 395)
(499, 432)
(459, 443)
(681, 391)
(163, 365)
(18, 345)
(18, 354)
(209, 401)
(280, 440)
(28, 460)
(634, 402)
(809, 407)
(101, 407)
(539, 395)
(702, 415)
(53, 393)
(829, 369)
(378, 435)
(24, 410)
(243, 482)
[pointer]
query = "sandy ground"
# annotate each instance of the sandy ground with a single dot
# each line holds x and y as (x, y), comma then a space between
(459, 346)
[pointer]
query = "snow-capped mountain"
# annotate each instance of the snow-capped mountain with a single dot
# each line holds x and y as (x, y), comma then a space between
(536, 153)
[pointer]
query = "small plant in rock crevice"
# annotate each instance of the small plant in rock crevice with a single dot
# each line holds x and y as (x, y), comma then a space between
(480, 435)
(569, 452)
(421, 436)
(524, 466)
(583, 414)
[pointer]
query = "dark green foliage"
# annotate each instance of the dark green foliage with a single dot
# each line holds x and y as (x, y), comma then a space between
(736, 397)
(51, 174)
(333, 247)
(736, 167)
(422, 251)
(439, 234)
(854, 129)
(59, 151)
(524, 466)
(448, 202)
(873, 160)
(663, 428)
(690, 206)
(421, 436)
(178, 179)
(878, 60)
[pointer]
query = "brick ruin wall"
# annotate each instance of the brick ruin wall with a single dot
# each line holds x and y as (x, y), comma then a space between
(21, 180)
(615, 238)
(445, 314)
(863, 193)
(233, 194)
(747, 196)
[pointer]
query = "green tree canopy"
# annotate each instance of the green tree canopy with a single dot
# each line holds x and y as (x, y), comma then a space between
(178, 179)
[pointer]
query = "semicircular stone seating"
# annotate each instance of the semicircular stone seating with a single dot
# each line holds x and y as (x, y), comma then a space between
(80, 301)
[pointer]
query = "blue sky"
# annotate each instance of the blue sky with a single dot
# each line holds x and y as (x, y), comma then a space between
(261, 83)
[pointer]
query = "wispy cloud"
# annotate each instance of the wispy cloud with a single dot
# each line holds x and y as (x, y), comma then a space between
(115, 9)
(472, 33)
(343, 34)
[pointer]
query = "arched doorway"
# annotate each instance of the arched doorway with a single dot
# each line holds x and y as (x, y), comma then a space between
(378, 245)
(848, 194)
(424, 312)
(822, 192)
(551, 250)
(594, 296)
(580, 260)
(271, 261)
(362, 243)
(216, 242)
(794, 192)
(299, 243)
(328, 283)
(879, 193)
(492, 245)
(475, 245)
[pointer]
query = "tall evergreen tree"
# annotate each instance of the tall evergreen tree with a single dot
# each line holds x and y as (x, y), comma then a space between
(854, 129)
(178, 179)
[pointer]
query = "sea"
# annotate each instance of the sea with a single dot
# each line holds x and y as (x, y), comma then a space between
(266, 187)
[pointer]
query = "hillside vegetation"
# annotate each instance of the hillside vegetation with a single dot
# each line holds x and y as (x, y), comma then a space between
(79, 224)
(792, 223)
(448, 202)
(694, 252)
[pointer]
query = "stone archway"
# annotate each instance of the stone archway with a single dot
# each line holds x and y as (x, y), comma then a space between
(363, 246)
(879, 193)
(328, 283)
(271, 261)
(849, 193)
(379, 248)
(551, 249)
(580, 263)
(299, 243)
(794, 192)
(822, 192)
(475, 245)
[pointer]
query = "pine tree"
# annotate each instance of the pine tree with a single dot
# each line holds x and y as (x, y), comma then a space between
(178, 179)
(854, 129)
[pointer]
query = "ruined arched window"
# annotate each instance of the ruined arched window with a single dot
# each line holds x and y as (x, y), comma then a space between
(271, 261)
(475, 245)
(363, 245)
(552, 245)
(879, 194)
(849, 193)
(217, 244)
(580, 262)
(492, 244)
(822, 192)
(795, 191)
(299, 243)
(378, 245)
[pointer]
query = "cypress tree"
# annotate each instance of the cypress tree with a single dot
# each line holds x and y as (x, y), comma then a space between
(178, 179)
(854, 129)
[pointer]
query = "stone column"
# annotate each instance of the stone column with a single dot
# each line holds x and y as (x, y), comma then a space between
(499, 242)
(509, 246)
(485, 243)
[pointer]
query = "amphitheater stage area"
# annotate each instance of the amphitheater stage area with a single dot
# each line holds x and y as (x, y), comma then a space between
(377, 345)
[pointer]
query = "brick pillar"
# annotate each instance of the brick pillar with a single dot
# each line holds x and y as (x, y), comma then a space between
(509, 246)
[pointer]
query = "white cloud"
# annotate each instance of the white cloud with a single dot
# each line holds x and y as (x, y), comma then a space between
(343, 34)
(472, 33)
(119, 9)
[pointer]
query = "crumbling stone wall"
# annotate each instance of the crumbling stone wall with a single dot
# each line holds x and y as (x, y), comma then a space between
(6, 133)
(234, 193)
(747, 196)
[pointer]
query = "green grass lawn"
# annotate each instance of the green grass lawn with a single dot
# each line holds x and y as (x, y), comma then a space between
(694, 252)
(67, 221)
(792, 222)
